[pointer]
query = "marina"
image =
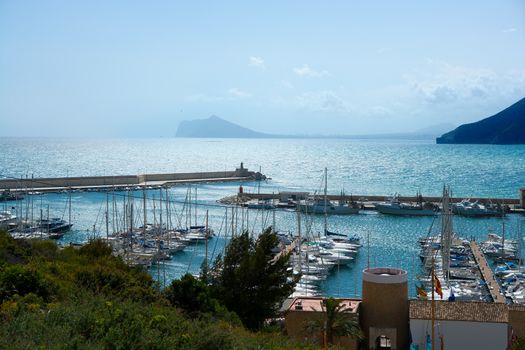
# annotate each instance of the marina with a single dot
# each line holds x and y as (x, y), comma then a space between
(387, 240)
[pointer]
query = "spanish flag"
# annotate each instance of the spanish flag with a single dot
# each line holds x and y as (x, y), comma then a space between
(438, 287)
(421, 293)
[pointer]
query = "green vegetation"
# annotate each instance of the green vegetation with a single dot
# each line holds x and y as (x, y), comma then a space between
(249, 281)
(85, 298)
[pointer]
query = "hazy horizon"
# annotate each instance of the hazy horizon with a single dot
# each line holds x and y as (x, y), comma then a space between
(120, 68)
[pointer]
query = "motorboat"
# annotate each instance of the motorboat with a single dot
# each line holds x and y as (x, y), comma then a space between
(325, 206)
(260, 204)
(322, 205)
(476, 209)
(395, 207)
(54, 225)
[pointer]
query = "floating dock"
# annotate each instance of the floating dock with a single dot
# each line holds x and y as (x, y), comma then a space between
(487, 274)
(105, 183)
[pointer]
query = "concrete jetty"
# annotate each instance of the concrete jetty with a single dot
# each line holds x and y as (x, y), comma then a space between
(57, 184)
(487, 274)
(368, 200)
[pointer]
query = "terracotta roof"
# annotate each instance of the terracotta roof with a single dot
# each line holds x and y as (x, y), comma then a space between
(314, 304)
(460, 311)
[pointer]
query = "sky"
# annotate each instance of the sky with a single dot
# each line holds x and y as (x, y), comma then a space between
(137, 68)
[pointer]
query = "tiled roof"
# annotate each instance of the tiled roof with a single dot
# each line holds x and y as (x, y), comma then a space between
(460, 311)
(314, 304)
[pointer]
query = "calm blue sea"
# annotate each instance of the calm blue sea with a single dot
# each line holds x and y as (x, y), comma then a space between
(364, 167)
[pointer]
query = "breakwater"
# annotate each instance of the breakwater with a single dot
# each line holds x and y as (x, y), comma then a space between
(56, 184)
(283, 196)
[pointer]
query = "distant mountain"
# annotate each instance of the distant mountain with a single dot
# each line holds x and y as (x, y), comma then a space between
(435, 130)
(216, 127)
(505, 128)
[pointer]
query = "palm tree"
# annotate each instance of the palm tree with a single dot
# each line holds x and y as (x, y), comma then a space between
(336, 321)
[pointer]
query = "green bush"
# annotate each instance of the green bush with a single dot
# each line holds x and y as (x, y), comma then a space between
(21, 280)
(87, 299)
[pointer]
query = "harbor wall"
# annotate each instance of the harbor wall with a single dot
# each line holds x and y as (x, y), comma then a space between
(125, 180)
(48, 182)
(186, 176)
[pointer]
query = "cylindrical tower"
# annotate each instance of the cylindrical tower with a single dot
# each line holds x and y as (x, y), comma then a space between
(384, 310)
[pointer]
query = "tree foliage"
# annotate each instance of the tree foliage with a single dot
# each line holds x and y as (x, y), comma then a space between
(193, 296)
(250, 280)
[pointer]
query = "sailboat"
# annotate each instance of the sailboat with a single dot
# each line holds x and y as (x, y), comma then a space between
(323, 205)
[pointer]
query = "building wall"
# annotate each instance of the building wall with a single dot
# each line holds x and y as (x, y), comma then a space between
(295, 322)
(461, 334)
(517, 320)
(385, 306)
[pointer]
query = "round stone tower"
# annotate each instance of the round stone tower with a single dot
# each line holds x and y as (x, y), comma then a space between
(384, 310)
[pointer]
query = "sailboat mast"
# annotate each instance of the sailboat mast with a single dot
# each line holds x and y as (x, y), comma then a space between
(433, 305)
(195, 210)
(107, 217)
(206, 255)
(300, 240)
(69, 205)
(144, 212)
(325, 199)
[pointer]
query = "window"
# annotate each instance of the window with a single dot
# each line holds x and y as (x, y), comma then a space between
(383, 342)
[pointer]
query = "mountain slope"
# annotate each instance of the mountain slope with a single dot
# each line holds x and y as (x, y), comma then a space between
(215, 127)
(505, 127)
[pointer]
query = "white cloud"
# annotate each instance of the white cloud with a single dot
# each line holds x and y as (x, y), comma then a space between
(238, 93)
(286, 84)
(383, 50)
(322, 101)
(306, 71)
(256, 62)
(458, 94)
(509, 30)
(204, 98)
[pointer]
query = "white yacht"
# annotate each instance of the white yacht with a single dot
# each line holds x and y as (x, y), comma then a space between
(475, 209)
(395, 207)
(6, 218)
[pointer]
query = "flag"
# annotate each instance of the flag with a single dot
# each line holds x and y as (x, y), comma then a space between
(421, 293)
(429, 343)
(452, 297)
(438, 287)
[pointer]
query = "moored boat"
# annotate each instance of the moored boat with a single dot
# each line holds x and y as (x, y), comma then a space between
(396, 207)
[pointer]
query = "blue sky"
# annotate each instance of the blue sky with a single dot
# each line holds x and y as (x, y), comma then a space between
(137, 68)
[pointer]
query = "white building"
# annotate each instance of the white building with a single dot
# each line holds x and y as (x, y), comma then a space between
(460, 325)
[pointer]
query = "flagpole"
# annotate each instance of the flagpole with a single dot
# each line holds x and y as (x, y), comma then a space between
(432, 304)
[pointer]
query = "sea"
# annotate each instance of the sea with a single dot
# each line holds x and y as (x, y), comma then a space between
(360, 167)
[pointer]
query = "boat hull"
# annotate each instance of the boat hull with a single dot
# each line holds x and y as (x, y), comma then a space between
(385, 209)
(330, 210)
